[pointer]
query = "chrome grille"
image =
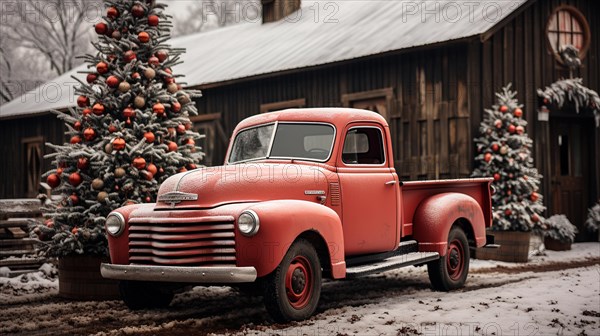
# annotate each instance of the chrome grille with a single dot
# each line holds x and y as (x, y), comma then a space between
(206, 241)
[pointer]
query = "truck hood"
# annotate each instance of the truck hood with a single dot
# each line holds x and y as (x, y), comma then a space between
(252, 182)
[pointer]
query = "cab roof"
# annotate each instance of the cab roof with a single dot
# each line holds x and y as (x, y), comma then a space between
(339, 117)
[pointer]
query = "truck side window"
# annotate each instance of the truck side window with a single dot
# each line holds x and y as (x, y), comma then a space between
(363, 145)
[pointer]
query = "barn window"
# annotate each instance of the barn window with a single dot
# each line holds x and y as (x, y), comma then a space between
(214, 142)
(380, 101)
(34, 159)
(282, 105)
(567, 26)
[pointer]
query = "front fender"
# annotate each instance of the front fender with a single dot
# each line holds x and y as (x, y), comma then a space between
(435, 216)
(281, 223)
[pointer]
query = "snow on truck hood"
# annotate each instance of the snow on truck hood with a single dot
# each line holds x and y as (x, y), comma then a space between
(249, 182)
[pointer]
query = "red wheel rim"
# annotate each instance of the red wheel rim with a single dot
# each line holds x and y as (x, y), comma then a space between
(298, 282)
(455, 259)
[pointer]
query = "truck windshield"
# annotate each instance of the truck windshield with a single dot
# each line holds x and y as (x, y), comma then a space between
(303, 141)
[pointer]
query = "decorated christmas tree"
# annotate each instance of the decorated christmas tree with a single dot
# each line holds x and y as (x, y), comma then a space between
(129, 132)
(504, 153)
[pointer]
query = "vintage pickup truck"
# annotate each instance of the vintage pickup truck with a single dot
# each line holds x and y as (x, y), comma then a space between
(304, 194)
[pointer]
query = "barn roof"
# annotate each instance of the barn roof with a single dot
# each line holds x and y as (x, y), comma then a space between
(338, 31)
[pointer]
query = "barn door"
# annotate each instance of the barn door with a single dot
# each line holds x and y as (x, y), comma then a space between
(33, 163)
(571, 154)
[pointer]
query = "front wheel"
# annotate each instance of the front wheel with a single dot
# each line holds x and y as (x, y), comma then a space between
(293, 289)
(145, 295)
(450, 271)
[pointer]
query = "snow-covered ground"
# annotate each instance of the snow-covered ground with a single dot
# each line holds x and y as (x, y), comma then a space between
(555, 294)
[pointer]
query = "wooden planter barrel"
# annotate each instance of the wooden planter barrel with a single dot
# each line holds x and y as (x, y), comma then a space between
(514, 247)
(79, 278)
(556, 245)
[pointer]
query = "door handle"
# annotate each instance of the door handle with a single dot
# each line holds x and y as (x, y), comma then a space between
(390, 182)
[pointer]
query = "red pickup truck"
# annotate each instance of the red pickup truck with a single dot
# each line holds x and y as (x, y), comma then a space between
(304, 194)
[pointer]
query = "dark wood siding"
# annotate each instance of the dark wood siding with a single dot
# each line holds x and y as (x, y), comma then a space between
(428, 115)
(13, 170)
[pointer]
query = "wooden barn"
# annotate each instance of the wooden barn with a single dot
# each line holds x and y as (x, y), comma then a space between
(429, 67)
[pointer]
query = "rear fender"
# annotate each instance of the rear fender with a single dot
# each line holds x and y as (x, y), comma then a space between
(435, 216)
(281, 223)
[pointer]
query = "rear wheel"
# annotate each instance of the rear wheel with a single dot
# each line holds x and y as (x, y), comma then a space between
(292, 291)
(450, 271)
(145, 295)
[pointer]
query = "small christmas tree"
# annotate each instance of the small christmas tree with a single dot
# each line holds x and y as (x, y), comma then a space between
(504, 153)
(130, 131)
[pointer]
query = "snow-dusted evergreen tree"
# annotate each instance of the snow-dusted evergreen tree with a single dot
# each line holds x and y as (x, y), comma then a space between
(504, 153)
(130, 131)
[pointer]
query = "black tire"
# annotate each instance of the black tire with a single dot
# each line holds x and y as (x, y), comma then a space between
(450, 271)
(293, 289)
(145, 295)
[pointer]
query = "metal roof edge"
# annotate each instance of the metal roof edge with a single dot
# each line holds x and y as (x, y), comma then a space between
(495, 28)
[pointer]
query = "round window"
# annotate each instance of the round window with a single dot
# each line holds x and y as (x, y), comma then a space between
(567, 26)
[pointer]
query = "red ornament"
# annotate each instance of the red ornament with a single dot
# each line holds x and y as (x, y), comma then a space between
(135, 76)
(148, 199)
(162, 56)
(118, 144)
(503, 108)
(137, 11)
(147, 175)
(112, 12)
(497, 177)
(75, 179)
(143, 37)
(188, 126)
(153, 61)
(512, 128)
(192, 166)
(98, 109)
(49, 223)
(161, 170)
(172, 146)
(182, 170)
(535, 218)
(180, 129)
(129, 56)
(190, 142)
(518, 112)
(90, 78)
(75, 230)
(498, 123)
(74, 200)
(53, 180)
(487, 157)
(534, 196)
(112, 128)
(86, 112)
(83, 163)
(89, 134)
(128, 112)
(159, 109)
(151, 168)
(520, 130)
(153, 20)
(139, 163)
(101, 28)
(75, 139)
(59, 171)
(508, 212)
(112, 81)
(149, 137)
(102, 68)
(170, 80)
(77, 125)
(176, 106)
(495, 147)
(83, 101)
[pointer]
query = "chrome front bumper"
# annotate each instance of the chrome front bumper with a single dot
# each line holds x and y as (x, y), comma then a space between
(179, 274)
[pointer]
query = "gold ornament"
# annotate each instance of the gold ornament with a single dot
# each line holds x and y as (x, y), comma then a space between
(139, 102)
(102, 196)
(150, 73)
(124, 87)
(503, 150)
(172, 88)
(119, 172)
(108, 148)
(97, 184)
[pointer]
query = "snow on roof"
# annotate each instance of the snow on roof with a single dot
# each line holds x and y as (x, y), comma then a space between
(319, 33)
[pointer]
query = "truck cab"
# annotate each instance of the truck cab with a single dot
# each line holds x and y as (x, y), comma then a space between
(304, 194)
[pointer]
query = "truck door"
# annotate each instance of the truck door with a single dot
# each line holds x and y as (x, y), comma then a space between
(368, 190)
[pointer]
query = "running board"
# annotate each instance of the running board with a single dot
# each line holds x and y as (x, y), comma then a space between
(392, 263)
(404, 247)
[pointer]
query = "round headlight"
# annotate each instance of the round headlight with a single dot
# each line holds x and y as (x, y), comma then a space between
(115, 223)
(248, 223)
